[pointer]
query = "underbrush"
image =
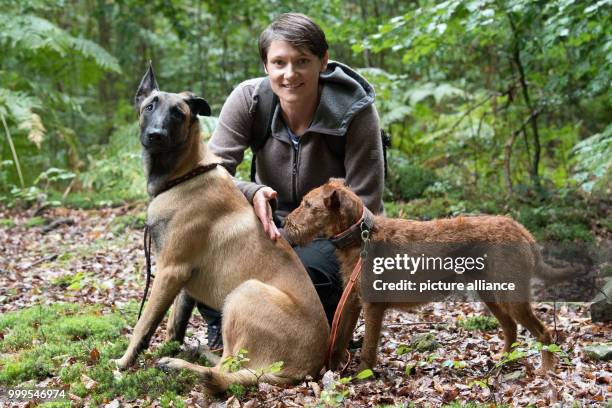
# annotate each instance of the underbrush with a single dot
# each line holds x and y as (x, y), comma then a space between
(557, 219)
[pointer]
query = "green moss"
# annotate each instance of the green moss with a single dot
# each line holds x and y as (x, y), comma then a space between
(121, 223)
(424, 342)
(71, 373)
(237, 390)
(482, 323)
(170, 399)
(57, 341)
(170, 348)
(7, 223)
(34, 222)
(55, 404)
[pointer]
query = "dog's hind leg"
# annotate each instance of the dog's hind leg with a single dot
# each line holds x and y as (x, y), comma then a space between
(217, 380)
(166, 286)
(179, 317)
(523, 314)
(507, 323)
(373, 314)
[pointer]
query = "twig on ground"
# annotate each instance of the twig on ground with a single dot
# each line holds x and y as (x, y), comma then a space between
(56, 224)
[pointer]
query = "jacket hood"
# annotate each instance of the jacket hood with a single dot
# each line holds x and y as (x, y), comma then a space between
(344, 93)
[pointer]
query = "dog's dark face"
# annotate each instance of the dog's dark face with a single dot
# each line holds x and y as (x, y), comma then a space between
(323, 213)
(165, 118)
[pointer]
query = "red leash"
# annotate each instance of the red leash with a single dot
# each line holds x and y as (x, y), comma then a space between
(338, 314)
(358, 233)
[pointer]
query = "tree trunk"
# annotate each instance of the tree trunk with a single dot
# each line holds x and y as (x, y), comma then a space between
(106, 95)
(516, 56)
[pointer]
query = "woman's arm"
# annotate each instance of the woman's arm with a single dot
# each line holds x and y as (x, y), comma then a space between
(230, 139)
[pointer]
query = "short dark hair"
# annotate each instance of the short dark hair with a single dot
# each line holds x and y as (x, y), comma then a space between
(296, 29)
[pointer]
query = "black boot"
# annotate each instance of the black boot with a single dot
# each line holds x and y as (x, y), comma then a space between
(213, 320)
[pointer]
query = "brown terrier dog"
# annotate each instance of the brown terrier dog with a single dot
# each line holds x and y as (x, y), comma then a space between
(211, 247)
(331, 210)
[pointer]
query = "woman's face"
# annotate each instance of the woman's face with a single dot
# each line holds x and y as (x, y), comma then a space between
(293, 72)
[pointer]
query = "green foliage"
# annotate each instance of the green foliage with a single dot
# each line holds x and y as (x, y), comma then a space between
(34, 222)
(115, 169)
(592, 156)
(121, 223)
(234, 363)
(424, 342)
(170, 399)
(7, 223)
(480, 323)
(76, 281)
(336, 389)
(237, 390)
(452, 80)
(521, 351)
(403, 349)
(406, 181)
(170, 348)
(454, 364)
(559, 219)
(34, 34)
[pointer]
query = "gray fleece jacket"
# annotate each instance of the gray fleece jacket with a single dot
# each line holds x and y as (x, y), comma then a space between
(345, 110)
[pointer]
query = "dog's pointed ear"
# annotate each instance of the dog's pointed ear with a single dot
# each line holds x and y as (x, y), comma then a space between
(198, 106)
(332, 200)
(148, 84)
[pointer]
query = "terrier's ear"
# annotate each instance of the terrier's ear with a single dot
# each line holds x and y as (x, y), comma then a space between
(332, 200)
(148, 84)
(198, 106)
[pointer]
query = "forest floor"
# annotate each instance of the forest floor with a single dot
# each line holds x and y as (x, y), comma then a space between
(69, 297)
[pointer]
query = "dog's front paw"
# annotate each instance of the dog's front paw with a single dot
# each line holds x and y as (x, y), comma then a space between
(122, 364)
(169, 364)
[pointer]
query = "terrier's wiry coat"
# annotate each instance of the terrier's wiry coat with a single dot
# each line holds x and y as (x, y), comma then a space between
(333, 208)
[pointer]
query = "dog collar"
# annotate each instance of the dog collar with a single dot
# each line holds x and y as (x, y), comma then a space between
(200, 169)
(352, 236)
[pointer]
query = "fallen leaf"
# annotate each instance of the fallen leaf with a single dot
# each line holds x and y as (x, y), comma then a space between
(94, 355)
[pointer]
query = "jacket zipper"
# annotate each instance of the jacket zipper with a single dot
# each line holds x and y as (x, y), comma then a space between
(294, 174)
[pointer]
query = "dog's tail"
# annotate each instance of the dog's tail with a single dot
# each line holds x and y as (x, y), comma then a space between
(550, 274)
(216, 380)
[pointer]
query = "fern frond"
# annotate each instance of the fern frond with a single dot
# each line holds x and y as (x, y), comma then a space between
(90, 49)
(33, 33)
(17, 105)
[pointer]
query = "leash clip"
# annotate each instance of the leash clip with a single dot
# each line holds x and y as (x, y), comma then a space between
(365, 240)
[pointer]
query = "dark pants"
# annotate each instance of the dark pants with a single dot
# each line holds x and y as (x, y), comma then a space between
(319, 259)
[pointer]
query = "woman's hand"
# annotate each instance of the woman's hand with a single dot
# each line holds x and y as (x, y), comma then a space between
(263, 211)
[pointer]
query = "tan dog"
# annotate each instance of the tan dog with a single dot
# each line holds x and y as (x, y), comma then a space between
(332, 209)
(210, 244)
